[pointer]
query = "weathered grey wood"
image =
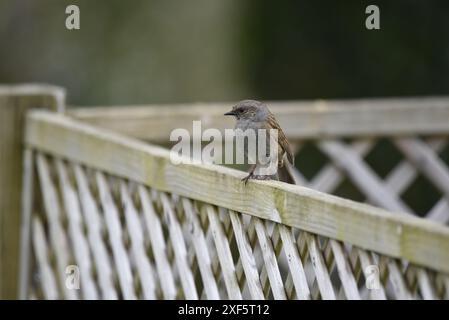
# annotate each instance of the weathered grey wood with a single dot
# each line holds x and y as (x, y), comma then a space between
(419, 241)
(25, 229)
(344, 270)
(94, 229)
(362, 176)
(397, 281)
(154, 229)
(224, 254)
(424, 285)
(321, 273)
(144, 267)
(330, 176)
(79, 242)
(202, 254)
(114, 228)
(49, 285)
(271, 265)
(298, 276)
(426, 161)
(58, 238)
(15, 100)
(403, 174)
(179, 248)
(247, 258)
(366, 261)
(305, 119)
(439, 212)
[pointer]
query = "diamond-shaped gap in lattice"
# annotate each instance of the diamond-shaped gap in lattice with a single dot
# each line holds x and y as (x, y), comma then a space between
(421, 195)
(248, 232)
(245, 221)
(188, 230)
(272, 231)
(310, 159)
(246, 259)
(217, 271)
(347, 189)
(383, 157)
(305, 256)
(287, 252)
(329, 258)
(67, 169)
(155, 198)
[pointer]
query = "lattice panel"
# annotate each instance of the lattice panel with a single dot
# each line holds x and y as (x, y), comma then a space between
(131, 242)
(412, 165)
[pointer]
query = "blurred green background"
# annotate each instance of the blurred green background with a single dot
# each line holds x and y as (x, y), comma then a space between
(164, 51)
(148, 51)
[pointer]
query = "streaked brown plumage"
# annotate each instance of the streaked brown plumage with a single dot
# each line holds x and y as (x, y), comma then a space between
(254, 115)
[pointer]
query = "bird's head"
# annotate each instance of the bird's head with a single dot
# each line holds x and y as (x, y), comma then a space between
(248, 110)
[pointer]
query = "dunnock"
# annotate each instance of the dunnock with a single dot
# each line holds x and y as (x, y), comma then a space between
(254, 115)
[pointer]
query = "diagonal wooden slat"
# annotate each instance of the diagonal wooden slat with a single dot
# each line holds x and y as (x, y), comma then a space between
(366, 261)
(49, 285)
(114, 228)
(179, 247)
(58, 237)
(298, 275)
(79, 242)
(344, 270)
(330, 176)
(397, 280)
(157, 241)
(224, 254)
(269, 256)
(362, 176)
(403, 174)
(425, 285)
(99, 252)
(202, 253)
(427, 162)
(322, 275)
(247, 258)
(144, 267)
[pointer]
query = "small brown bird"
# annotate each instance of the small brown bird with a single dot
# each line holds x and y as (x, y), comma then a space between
(254, 115)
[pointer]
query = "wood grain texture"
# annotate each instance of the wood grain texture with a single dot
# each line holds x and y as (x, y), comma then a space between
(300, 119)
(14, 102)
(80, 245)
(54, 216)
(397, 235)
(154, 229)
(93, 220)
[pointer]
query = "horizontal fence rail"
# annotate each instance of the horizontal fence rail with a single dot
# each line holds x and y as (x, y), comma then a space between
(150, 221)
(408, 137)
(300, 120)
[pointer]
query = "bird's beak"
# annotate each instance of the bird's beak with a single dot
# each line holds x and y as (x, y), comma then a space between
(230, 113)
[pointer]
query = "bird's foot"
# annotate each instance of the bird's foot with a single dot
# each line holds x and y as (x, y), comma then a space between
(262, 177)
(249, 176)
(256, 177)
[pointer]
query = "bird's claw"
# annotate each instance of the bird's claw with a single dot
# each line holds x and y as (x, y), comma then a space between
(245, 180)
(255, 177)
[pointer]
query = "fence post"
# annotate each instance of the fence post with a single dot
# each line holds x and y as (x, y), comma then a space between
(15, 100)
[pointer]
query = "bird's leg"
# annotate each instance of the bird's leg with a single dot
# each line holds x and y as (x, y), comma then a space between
(250, 173)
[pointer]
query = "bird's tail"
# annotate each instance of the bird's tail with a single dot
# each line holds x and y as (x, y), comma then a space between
(286, 174)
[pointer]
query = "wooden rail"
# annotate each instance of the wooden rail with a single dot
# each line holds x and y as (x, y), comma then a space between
(15, 101)
(397, 235)
(300, 120)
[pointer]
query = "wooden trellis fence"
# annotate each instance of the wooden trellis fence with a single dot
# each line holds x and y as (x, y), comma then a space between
(98, 197)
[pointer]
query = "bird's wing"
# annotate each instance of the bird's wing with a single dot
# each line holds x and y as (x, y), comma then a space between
(283, 142)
